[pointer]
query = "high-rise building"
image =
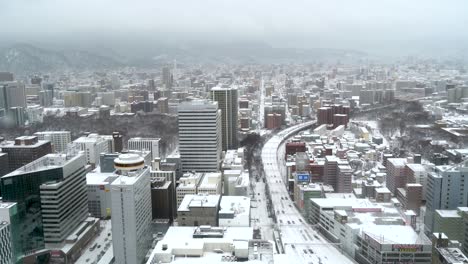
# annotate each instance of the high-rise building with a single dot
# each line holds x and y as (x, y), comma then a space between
(64, 202)
(24, 150)
(6, 77)
(200, 136)
(446, 190)
(167, 78)
(396, 174)
(331, 171)
(9, 214)
(345, 175)
(131, 209)
(59, 139)
(47, 215)
(162, 199)
(12, 94)
(227, 102)
(6, 244)
(148, 144)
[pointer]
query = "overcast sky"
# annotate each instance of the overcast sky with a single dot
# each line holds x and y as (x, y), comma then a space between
(368, 25)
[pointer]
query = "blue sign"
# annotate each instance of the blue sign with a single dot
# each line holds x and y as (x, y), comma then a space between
(303, 177)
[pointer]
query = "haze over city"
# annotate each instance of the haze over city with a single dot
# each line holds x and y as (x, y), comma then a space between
(247, 131)
(396, 27)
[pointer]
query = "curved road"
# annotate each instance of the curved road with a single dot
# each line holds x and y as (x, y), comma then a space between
(298, 239)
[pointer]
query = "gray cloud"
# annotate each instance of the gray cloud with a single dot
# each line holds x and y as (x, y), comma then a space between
(357, 24)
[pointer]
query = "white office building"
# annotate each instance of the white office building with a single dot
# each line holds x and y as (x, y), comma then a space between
(93, 145)
(131, 209)
(59, 139)
(147, 144)
(200, 136)
(62, 214)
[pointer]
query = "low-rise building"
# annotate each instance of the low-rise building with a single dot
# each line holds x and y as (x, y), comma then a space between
(234, 211)
(196, 210)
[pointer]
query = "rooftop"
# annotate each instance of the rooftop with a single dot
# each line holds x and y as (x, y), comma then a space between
(198, 200)
(49, 161)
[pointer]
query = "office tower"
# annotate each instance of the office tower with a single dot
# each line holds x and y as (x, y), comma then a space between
(6, 77)
(9, 214)
(64, 202)
(24, 150)
(148, 144)
(38, 188)
(227, 103)
(345, 175)
(12, 94)
(117, 139)
(49, 87)
(167, 78)
(131, 209)
(396, 174)
(59, 139)
(446, 190)
(16, 115)
(46, 98)
(330, 171)
(200, 136)
(6, 244)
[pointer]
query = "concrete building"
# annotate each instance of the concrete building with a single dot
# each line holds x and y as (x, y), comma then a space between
(450, 222)
(6, 244)
(197, 210)
(210, 184)
(93, 145)
(58, 139)
(200, 138)
(235, 243)
(228, 104)
(131, 209)
(396, 174)
(369, 232)
(234, 211)
(99, 193)
(345, 175)
(446, 190)
(416, 173)
(410, 197)
(188, 184)
(24, 150)
(146, 144)
(163, 201)
(331, 171)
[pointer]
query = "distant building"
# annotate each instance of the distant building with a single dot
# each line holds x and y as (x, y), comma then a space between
(59, 139)
(93, 145)
(149, 144)
(162, 199)
(227, 99)
(396, 174)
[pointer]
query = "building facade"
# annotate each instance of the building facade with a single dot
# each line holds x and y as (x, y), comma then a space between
(200, 136)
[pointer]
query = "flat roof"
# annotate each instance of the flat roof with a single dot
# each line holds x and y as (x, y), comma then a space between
(237, 205)
(198, 200)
